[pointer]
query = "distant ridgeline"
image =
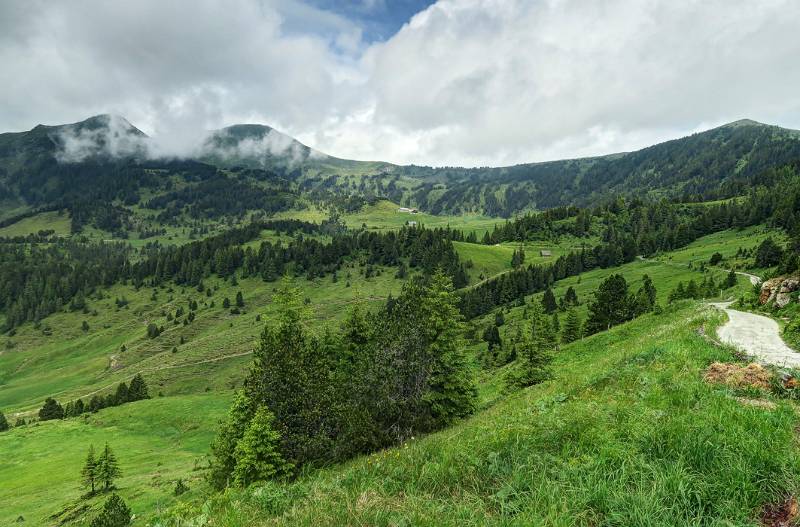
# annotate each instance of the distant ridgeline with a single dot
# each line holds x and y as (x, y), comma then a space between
(38, 278)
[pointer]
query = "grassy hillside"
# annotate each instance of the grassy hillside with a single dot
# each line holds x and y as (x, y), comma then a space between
(166, 438)
(626, 433)
(157, 441)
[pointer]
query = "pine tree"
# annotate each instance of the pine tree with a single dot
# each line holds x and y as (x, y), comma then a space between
(257, 453)
(452, 391)
(611, 305)
(730, 280)
(534, 351)
(107, 468)
(89, 470)
(291, 377)
(115, 513)
(239, 299)
(572, 327)
(137, 390)
(223, 447)
(3, 422)
(556, 325)
(549, 301)
(51, 410)
(122, 395)
(570, 297)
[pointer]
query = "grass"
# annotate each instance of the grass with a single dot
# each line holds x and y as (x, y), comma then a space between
(626, 433)
(490, 260)
(564, 453)
(156, 441)
(62, 361)
(384, 215)
(727, 243)
(55, 221)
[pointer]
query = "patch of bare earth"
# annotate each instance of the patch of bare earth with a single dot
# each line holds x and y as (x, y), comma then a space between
(783, 514)
(735, 376)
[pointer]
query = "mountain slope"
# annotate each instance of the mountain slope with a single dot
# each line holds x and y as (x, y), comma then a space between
(627, 433)
(38, 167)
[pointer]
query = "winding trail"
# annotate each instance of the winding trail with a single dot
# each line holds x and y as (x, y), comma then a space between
(756, 335)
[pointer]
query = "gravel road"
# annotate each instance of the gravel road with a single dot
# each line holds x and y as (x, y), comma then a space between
(756, 335)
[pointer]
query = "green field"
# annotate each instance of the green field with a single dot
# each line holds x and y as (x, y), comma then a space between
(166, 438)
(157, 441)
(384, 215)
(44, 221)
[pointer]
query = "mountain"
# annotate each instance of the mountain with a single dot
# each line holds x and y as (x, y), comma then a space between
(107, 158)
(714, 164)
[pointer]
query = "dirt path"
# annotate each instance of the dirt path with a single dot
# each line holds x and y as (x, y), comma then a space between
(755, 280)
(756, 335)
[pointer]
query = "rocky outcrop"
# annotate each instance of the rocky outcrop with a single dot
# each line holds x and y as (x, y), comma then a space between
(769, 290)
(778, 290)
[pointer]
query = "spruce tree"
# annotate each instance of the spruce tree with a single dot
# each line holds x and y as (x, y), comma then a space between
(570, 297)
(223, 447)
(730, 280)
(51, 410)
(137, 390)
(452, 391)
(3, 422)
(611, 306)
(257, 453)
(239, 299)
(291, 377)
(89, 471)
(107, 468)
(572, 327)
(121, 396)
(534, 351)
(549, 301)
(115, 513)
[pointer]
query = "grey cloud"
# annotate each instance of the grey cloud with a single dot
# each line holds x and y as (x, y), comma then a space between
(470, 82)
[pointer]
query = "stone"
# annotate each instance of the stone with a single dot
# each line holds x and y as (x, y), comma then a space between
(769, 289)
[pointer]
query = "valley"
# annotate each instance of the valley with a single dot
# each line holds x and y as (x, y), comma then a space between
(568, 331)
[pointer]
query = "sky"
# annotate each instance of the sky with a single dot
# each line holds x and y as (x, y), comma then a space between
(451, 82)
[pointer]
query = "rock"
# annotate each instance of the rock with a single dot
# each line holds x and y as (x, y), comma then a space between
(778, 290)
(769, 289)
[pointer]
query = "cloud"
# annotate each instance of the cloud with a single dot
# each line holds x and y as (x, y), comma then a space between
(468, 82)
(112, 137)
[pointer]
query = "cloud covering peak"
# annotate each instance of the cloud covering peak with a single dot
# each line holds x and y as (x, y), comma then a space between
(468, 82)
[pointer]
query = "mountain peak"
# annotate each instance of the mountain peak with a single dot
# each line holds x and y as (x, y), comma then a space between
(743, 122)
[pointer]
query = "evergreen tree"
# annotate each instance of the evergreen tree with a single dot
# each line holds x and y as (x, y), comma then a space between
(570, 297)
(51, 410)
(89, 471)
(137, 390)
(452, 392)
(556, 325)
(768, 253)
(239, 299)
(549, 301)
(291, 377)
(572, 327)
(534, 351)
(115, 513)
(257, 453)
(107, 468)
(492, 337)
(730, 280)
(611, 305)
(121, 396)
(95, 403)
(226, 303)
(223, 448)
(3, 422)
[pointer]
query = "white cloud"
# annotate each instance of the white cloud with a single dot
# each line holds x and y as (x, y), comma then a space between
(470, 82)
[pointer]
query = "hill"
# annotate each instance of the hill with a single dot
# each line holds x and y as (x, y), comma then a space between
(108, 161)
